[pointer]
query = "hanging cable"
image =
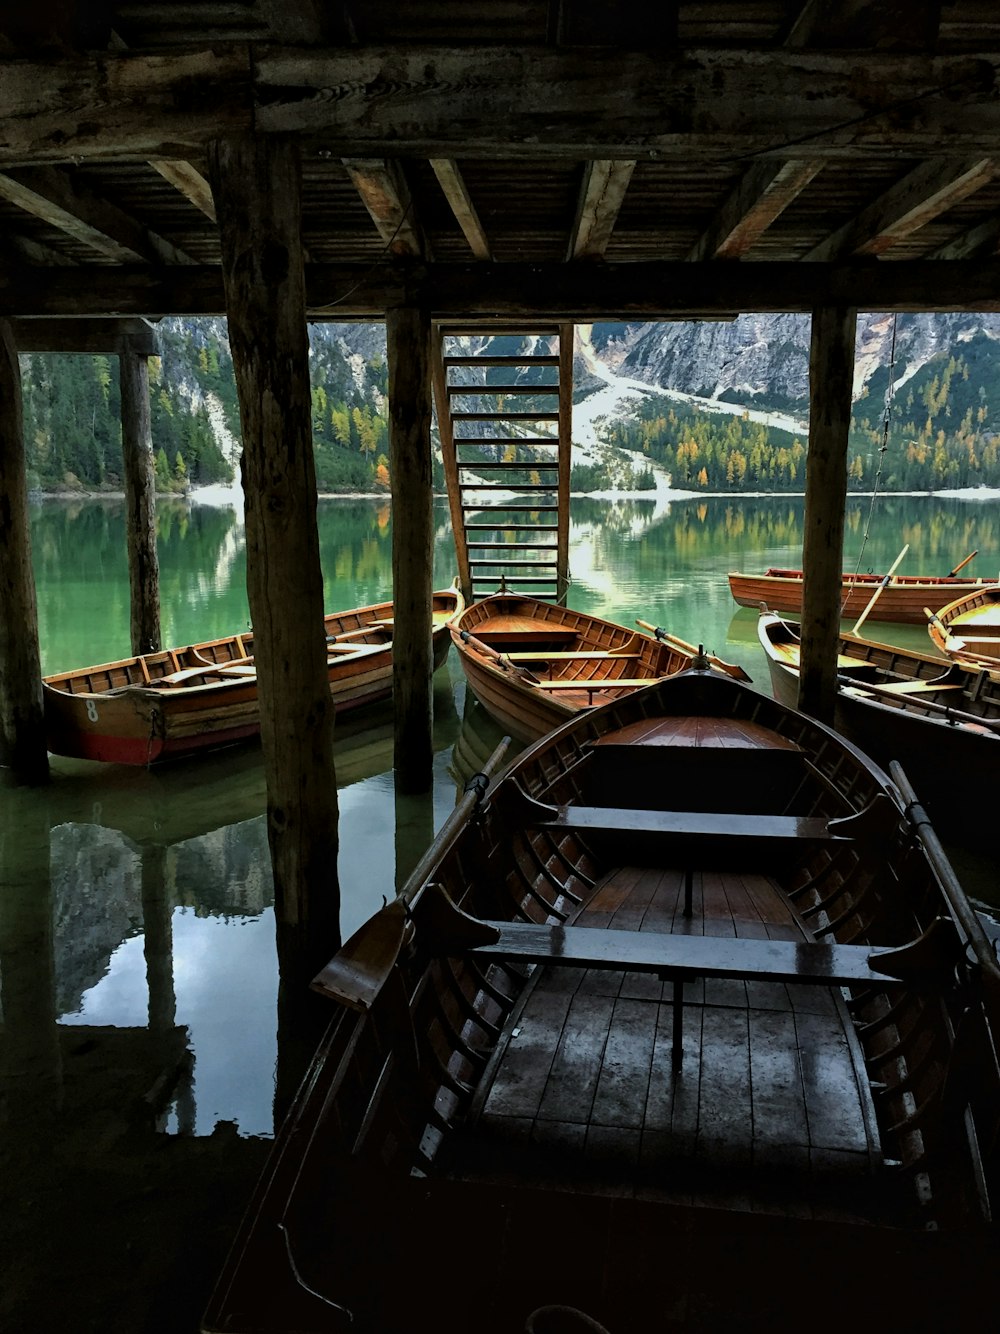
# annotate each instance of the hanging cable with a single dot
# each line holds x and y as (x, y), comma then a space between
(882, 449)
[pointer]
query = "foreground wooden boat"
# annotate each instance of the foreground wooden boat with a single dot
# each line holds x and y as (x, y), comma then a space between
(968, 629)
(684, 1026)
(158, 706)
(902, 600)
(533, 665)
(940, 720)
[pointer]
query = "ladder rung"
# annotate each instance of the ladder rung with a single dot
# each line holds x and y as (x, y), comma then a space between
(490, 465)
(511, 509)
(487, 359)
(523, 564)
(509, 527)
(498, 330)
(525, 579)
(485, 390)
(518, 488)
(500, 415)
(513, 546)
(547, 441)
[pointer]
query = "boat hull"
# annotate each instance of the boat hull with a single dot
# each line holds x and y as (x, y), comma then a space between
(902, 601)
(950, 753)
(128, 719)
(968, 629)
(545, 636)
(520, 1130)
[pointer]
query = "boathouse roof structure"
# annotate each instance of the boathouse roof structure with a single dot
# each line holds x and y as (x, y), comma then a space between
(575, 159)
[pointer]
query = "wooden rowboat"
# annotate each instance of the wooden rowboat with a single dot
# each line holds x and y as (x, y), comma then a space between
(902, 600)
(684, 1026)
(175, 702)
(968, 629)
(534, 664)
(939, 719)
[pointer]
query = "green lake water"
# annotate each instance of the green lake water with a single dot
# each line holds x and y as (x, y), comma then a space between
(137, 936)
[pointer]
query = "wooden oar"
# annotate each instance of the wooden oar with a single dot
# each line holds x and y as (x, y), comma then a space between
(487, 651)
(357, 972)
(883, 583)
(961, 566)
(730, 668)
(932, 706)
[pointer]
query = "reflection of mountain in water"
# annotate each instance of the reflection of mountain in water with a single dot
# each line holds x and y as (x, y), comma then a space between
(192, 834)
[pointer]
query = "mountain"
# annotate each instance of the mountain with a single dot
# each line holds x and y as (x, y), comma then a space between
(712, 405)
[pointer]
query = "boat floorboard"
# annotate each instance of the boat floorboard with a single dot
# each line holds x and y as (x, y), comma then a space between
(771, 1110)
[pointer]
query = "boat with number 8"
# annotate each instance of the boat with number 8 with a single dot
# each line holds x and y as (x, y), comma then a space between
(178, 702)
(682, 1022)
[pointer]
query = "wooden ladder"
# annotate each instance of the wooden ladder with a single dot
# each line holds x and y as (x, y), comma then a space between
(504, 415)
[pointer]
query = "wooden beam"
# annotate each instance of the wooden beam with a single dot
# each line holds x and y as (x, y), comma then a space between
(92, 337)
(52, 195)
(22, 722)
(189, 181)
(602, 192)
(460, 202)
(386, 195)
(140, 503)
(983, 239)
(257, 187)
(408, 335)
(761, 196)
(923, 195)
(307, 22)
(516, 292)
(890, 25)
(459, 102)
(831, 386)
(611, 23)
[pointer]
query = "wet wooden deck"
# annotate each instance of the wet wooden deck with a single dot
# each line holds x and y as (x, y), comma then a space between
(770, 1111)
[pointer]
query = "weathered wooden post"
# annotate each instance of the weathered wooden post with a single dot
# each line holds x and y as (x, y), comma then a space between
(408, 343)
(257, 188)
(22, 722)
(831, 385)
(140, 500)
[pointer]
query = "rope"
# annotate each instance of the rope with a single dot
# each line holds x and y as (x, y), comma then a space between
(882, 449)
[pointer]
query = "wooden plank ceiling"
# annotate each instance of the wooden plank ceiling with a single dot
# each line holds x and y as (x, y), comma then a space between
(568, 158)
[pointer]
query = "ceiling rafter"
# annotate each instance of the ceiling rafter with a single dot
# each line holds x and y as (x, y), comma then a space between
(460, 202)
(602, 193)
(51, 194)
(982, 239)
(385, 192)
(892, 25)
(921, 196)
(761, 196)
(189, 181)
(309, 22)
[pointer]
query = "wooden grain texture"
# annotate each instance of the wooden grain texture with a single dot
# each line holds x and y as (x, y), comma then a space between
(257, 186)
(140, 503)
(22, 730)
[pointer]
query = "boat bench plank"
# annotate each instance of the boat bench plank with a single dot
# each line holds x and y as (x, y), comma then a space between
(695, 826)
(684, 958)
(528, 634)
(599, 683)
(687, 957)
(574, 655)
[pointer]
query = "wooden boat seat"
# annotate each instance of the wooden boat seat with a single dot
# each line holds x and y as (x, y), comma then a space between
(681, 958)
(599, 683)
(575, 655)
(528, 634)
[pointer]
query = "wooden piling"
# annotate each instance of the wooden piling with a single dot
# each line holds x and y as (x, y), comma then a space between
(257, 189)
(408, 342)
(22, 723)
(831, 384)
(140, 502)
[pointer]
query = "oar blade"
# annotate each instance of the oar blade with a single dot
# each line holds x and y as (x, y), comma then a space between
(357, 972)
